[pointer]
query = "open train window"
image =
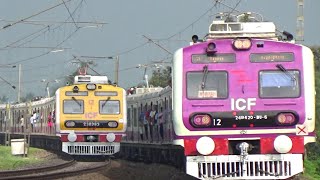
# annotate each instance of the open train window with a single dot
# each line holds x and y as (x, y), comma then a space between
(109, 107)
(279, 84)
(207, 85)
(73, 106)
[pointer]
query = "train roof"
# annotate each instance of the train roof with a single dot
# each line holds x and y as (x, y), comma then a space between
(149, 94)
(81, 79)
(226, 25)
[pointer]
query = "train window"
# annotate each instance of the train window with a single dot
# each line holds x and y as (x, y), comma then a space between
(279, 84)
(210, 85)
(129, 117)
(73, 106)
(80, 93)
(135, 119)
(271, 57)
(215, 58)
(109, 107)
(105, 93)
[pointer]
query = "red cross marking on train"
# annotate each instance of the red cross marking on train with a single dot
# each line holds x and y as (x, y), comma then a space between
(301, 130)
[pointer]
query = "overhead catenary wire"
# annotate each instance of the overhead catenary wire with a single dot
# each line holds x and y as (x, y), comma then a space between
(149, 39)
(43, 54)
(65, 5)
(7, 82)
(48, 28)
(21, 20)
(190, 25)
(25, 37)
(45, 22)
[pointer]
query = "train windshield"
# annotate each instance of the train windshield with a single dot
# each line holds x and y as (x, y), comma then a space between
(216, 85)
(73, 106)
(109, 107)
(279, 84)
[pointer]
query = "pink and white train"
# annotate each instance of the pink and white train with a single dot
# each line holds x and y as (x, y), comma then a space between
(242, 103)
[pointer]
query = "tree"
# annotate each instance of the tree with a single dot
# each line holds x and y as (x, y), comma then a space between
(161, 77)
(4, 99)
(29, 96)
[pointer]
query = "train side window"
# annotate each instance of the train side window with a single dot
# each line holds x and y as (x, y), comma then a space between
(129, 117)
(73, 107)
(279, 84)
(135, 117)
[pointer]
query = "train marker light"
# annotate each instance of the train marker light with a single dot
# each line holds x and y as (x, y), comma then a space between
(111, 137)
(242, 44)
(202, 120)
(211, 48)
(205, 145)
(285, 118)
(70, 124)
(75, 89)
(72, 137)
(112, 124)
(282, 144)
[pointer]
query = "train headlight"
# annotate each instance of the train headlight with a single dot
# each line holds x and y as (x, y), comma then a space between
(285, 118)
(211, 48)
(91, 138)
(282, 144)
(112, 124)
(70, 124)
(72, 137)
(201, 120)
(205, 145)
(111, 137)
(242, 44)
(91, 86)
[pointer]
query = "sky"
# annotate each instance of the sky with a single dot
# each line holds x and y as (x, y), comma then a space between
(37, 35)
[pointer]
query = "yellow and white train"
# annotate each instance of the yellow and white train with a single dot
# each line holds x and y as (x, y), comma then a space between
(91, 116)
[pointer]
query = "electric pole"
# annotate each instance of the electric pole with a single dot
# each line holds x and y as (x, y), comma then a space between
(300, 21)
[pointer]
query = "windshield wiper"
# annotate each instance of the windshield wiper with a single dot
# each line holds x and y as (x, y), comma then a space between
(204, 77)
(105, 102)
(73, 98)
(284, 70)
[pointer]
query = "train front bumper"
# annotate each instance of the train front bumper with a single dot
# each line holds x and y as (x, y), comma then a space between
(269, 166)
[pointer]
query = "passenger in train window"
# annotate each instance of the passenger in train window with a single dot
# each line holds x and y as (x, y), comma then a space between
(141, 122)
(145, 123)
(22, 124)
(156, 124)
(35, 120)
(152, 121)
(32, 121)
(54, 116)
(161, 122)
(50, 124)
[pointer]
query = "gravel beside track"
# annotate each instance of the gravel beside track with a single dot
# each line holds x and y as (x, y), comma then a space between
(127, 170)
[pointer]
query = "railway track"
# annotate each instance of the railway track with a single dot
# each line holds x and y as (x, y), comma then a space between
(66, 169)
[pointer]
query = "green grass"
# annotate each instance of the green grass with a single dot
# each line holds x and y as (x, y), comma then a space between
(9, 161)
(312, 169)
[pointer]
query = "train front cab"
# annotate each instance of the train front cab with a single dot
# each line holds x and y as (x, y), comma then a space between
(92, 123)
(211, 154)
